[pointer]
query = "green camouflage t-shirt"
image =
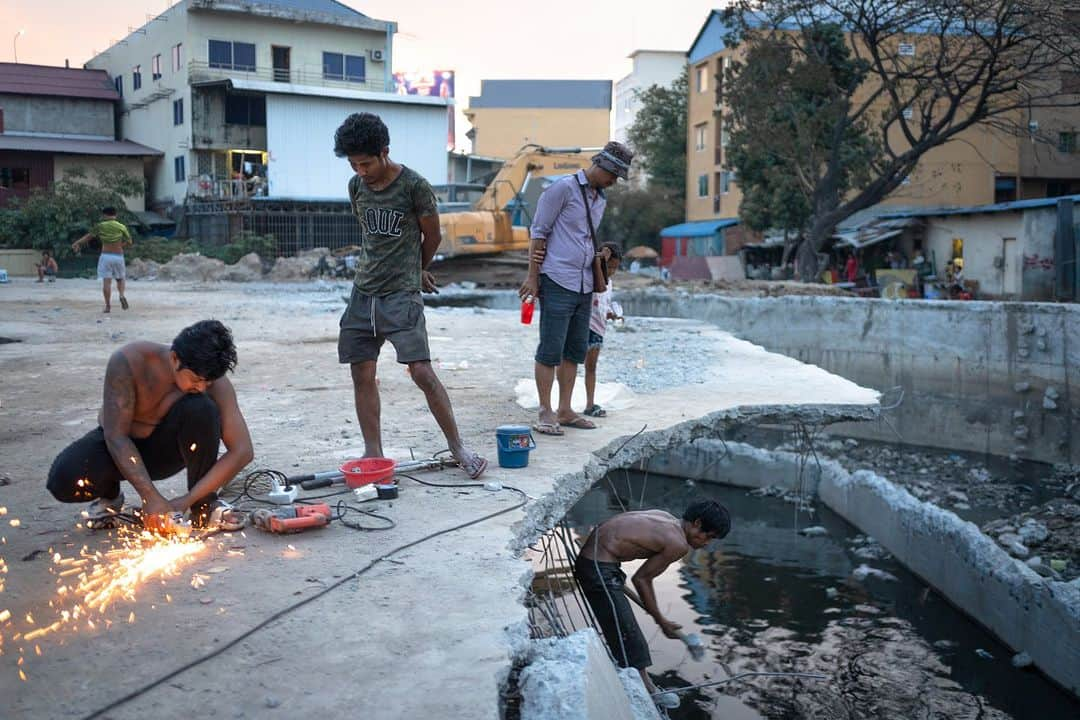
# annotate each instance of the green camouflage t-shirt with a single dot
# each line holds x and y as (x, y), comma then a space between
(389, 259)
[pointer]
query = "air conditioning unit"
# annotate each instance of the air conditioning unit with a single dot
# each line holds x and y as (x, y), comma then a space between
(375, 55)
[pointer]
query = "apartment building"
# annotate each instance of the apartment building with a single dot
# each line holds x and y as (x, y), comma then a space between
(55, 121)
(651, 67)
(243, 97)
(981, 166)
(558, 113)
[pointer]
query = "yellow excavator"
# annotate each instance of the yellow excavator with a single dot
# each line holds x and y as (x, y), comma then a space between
(488, 227)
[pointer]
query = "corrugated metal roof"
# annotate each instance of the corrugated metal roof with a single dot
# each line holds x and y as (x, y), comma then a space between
(1015, 206)
(543, 94)
(75, 147)
(699, 228)
(21, 79)
(330, 7)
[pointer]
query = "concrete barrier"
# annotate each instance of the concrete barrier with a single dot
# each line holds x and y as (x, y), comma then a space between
(1027, 612)
(992, 377)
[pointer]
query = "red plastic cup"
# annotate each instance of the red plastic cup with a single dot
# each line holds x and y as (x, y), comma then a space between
(527, 308)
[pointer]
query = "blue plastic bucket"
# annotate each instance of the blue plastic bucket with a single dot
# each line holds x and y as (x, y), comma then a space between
(515, 442)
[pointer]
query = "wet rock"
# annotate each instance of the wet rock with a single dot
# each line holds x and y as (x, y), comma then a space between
(272, 702)
(1022, 387)
(1018, 415)
(1052, 393)
(1049, 404)
(983, 654)
(1021, 433)
(944, 644)
(961, 506)
(815, 531)
(1033, 532)
(831, 592)
(1013, 545)
(865, 571)
(1022, 660)
(957, 496)
(1041, 344)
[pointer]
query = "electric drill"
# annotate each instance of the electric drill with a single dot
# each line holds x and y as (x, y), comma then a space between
(292, 518)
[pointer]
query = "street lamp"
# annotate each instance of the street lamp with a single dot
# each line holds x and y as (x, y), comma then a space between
(15, 43)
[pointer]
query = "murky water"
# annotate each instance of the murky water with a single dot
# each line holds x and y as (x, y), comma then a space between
(769, 599)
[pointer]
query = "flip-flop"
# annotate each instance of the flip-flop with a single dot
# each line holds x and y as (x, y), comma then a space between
(546, 428)
(595, 411)
(123, 302)
(579, 423)
(474, 467)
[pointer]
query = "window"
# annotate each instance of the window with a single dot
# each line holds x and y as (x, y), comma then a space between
(15, 178)
(1067, 142)
(232, 55)
(179, 172)
(178, 112)
(245, 110)
(119, 83)
(155, 67)
(177, 56)
(338, 66)
(906, 50)
(725, 182)
(703, 186)
(702, 73)
(1004, 189)
(699, 136)
(136, 77)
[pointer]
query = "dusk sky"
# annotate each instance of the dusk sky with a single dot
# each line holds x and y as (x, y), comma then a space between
(479, 39)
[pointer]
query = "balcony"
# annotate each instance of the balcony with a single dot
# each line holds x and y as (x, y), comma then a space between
(200, 71)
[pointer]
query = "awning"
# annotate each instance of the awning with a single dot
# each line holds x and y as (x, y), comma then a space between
(699, 228)
(65, 146)
(871, 234)
(282, 88)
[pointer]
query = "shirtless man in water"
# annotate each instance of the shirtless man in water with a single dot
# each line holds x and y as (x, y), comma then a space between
(165, 408)
(660, 539)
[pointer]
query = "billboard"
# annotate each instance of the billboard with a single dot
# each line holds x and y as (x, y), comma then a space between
(431, 83)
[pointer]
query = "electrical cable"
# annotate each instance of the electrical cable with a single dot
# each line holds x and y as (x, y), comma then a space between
(299, 604)
(740, 676)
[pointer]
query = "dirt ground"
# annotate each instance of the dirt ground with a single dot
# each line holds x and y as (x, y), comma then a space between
(421, 634)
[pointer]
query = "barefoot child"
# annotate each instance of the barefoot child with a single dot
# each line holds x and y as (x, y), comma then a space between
(604, 308)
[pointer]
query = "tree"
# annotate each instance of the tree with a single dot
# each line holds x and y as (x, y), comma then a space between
(845, 129)
(658, 136)
(635, 216)
(53, 217)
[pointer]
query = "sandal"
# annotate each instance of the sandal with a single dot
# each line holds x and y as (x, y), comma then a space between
(546, 428)
(595, 411)
(578, 423)
(474, 465)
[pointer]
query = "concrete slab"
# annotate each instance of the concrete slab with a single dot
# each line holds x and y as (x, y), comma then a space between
(428, 632)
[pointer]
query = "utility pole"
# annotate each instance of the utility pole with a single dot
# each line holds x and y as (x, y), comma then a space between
(15, 44)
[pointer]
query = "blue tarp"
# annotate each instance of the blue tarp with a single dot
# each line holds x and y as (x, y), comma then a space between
(699, 228)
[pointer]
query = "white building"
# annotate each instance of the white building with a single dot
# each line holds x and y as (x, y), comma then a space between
(651, 67)
(243, 97)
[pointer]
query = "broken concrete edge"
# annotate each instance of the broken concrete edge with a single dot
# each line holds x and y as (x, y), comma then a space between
(629, 451)
(545, 513)
(1027, 612)
(572, 678)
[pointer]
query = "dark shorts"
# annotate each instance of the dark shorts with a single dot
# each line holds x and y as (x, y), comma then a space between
(595, 339)
(369, 321)
(564, 324)
(604, 591)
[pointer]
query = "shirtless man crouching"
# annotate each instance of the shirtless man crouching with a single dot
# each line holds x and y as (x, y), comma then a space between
(660, 539)
(164, 409)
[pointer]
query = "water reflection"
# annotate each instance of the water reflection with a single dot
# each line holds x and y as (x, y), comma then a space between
(769, 599)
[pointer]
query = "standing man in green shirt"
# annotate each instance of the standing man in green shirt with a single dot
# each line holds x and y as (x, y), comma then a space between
(113, 235)
(399, 223)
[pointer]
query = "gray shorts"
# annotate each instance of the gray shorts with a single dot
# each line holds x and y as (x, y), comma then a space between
(370, 320)
(111, 266)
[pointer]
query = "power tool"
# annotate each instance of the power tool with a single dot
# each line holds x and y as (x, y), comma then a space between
(292, 518)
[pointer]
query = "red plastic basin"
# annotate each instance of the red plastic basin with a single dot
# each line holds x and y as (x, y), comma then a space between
(368, 470)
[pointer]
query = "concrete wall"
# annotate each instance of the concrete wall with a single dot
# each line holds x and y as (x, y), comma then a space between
(20, 263)
(500, 132)
(300, 136)
(1027, 612)
(64, 164)
(988, 377)
(55, 116)
(208, 127)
